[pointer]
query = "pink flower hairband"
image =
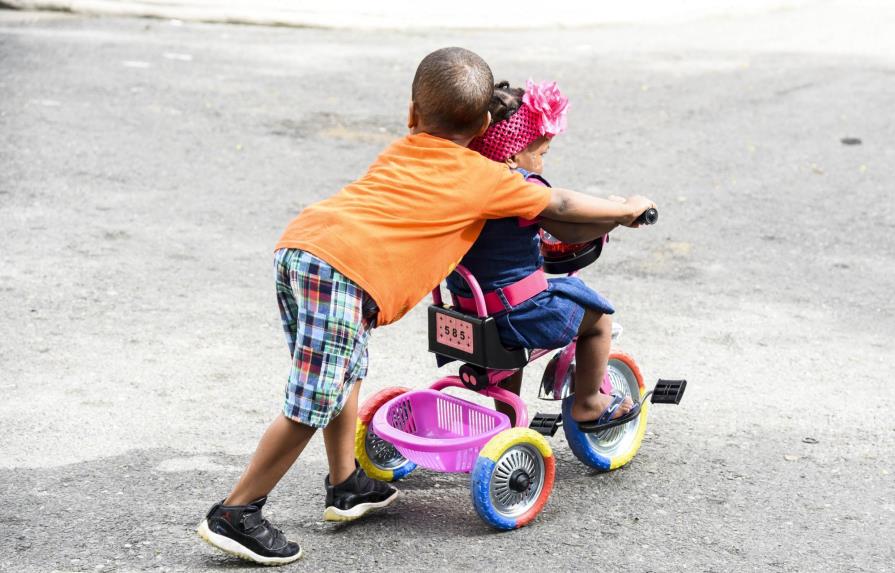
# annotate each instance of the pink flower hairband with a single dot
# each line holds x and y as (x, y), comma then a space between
(542, 114)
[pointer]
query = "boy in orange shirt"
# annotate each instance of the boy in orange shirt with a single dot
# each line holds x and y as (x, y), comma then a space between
(363, 258)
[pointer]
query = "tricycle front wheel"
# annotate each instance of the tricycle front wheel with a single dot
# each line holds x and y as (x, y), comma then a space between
(615, 447)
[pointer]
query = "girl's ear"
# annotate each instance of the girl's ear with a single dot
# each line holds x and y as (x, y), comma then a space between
(412, 120)
(511, 162)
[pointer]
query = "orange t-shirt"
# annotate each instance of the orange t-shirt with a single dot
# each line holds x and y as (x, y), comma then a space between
(402, 228)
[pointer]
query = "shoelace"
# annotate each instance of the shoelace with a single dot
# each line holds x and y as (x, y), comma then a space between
(253, 521)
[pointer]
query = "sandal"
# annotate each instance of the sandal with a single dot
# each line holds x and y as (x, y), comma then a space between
(606, 421)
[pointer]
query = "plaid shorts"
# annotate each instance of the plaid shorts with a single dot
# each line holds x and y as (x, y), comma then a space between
(323, 316)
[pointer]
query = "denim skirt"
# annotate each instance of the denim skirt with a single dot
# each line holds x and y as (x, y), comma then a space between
(550, 319)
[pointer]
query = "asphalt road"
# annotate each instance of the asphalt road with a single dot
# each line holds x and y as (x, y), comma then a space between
(148, 167)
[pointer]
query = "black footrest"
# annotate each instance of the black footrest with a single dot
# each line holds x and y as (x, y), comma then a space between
(474, 377)
(546, 424)
(669, 391)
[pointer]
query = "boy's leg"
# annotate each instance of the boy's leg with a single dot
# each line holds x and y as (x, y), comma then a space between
(278, 449)
(514, 385)
(338, 438)
(235, 525)
(591, 358)
(350, 494)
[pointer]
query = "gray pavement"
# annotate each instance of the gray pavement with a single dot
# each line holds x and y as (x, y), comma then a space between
(405, 14)
(147, 168)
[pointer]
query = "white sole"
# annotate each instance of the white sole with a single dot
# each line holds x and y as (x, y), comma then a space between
(359, 510)
(231, 547)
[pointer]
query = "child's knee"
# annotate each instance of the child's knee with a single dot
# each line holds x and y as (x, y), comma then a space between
(605, 324)
(596, 324)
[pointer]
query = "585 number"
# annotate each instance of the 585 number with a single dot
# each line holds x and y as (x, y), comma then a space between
(454, 333)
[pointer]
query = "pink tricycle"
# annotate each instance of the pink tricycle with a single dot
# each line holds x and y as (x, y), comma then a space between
(512, 466)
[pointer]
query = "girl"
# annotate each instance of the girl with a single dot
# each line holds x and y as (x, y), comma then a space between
(507, 251)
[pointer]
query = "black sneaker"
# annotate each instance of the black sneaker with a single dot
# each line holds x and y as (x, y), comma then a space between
(356, 496)
(241, 531)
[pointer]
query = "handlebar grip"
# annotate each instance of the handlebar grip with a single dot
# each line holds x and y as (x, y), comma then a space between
(648, 217)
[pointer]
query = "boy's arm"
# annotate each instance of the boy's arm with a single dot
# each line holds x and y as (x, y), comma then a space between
(573, 207)
(576, 232)
(579, 232)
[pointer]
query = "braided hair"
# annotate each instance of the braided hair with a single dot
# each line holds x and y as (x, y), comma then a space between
(505, 101)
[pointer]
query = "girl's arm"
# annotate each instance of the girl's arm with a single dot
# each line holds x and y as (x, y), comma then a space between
(573, 207)
(576, 232)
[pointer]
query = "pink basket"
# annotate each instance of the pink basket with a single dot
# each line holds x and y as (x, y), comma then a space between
(436, 430)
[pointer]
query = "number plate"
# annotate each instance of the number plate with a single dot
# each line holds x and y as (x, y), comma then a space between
(453, 332)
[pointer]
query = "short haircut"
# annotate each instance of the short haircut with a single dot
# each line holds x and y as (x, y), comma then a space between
(452, 89)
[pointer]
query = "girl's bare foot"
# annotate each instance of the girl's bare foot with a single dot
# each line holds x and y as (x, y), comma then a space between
(587, 409)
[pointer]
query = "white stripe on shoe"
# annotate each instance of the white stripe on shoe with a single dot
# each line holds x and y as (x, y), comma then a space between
(237, 549)
(333, 513)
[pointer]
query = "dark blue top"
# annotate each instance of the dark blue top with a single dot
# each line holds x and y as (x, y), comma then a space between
(507, 252)
(504, 253)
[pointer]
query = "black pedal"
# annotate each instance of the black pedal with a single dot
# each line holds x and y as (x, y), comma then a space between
(474, 377)
(546, 424)
(669, 391)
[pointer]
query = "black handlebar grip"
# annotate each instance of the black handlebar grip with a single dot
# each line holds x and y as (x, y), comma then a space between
(648, 217)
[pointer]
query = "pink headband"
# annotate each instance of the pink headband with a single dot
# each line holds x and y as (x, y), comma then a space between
(542, 113)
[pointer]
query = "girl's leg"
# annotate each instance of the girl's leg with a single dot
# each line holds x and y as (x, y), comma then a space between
(514, 385)
(591, 358)
(278, 449)
(338, 437)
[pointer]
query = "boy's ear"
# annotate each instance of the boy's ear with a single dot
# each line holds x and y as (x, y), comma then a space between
(511, 162)
(485, 125)
(412, 118)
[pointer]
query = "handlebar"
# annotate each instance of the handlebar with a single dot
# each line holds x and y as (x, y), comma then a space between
(648, 217)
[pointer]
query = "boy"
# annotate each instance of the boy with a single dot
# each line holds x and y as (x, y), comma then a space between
(363, 258)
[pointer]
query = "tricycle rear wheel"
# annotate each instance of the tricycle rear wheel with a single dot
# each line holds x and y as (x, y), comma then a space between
(378, 458)
(512, 478)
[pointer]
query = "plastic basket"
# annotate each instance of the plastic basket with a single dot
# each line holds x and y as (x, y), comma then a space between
(438, 431)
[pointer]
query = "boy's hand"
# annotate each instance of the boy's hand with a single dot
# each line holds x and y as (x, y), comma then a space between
(637, 205)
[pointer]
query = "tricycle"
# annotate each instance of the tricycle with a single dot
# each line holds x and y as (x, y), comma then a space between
(511, 463)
